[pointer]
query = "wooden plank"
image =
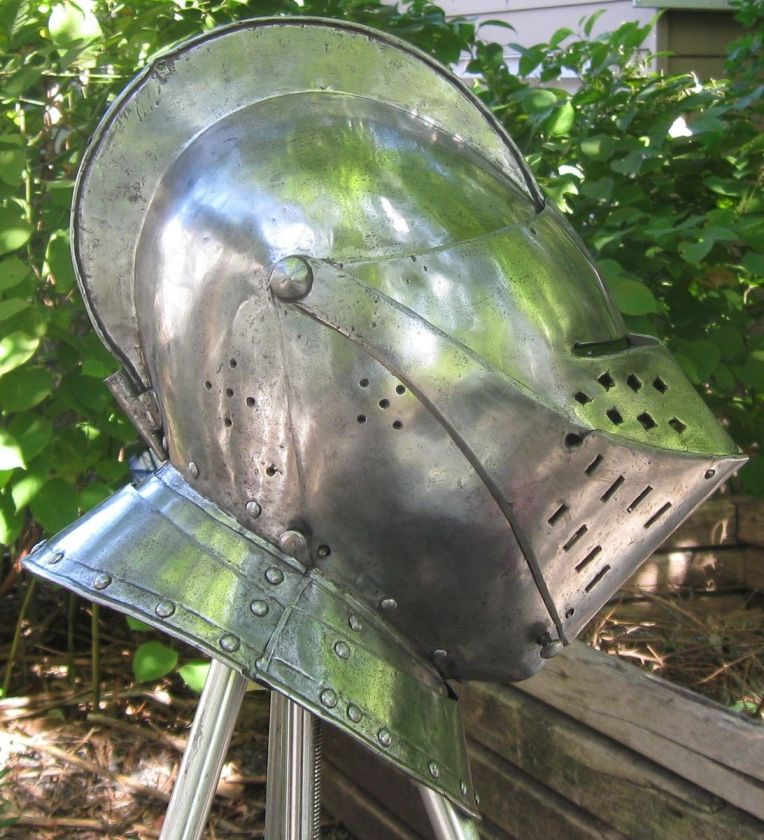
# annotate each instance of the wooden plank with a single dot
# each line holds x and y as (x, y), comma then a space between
(703, 570)
(361, 814)
(527, 809)
(697, 739)
(609, 781)
(751, 521)
(713, 523)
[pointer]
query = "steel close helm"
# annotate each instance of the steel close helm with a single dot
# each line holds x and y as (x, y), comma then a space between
(407, 435)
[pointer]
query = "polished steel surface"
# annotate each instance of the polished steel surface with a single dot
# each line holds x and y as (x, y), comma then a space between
(292, 759)
(410, 436)
(447, 822)
(176, 561)
(205, 753)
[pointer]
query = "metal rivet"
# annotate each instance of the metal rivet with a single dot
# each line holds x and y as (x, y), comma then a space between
(37, 546)
(388, 604)
(323, 551)
(550, 647)
(328, 698)
(260, 664)
(164, 444)
(434, 770)
(439, 654)
(56, 558)
(102, 581)
(229, 642)
(259, 608)
(342, 649)
(164, 609)
(274, 575)
(354, 622)
(253, 509)
(354, 713)
(710, 474)
(463, 788)
(293, 543)
(477, 798)
(291, 278)
(193, 469)
(384, 737)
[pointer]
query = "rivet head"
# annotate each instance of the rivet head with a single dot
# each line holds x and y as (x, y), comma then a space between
(710, 474)
(384, 737)
(193, 469)
(550, 647)
(260, 664)
(354, 622)
(293, 543)
(164, 609)
(463, 788)
(274, 576)
(388, 604)
(354, 713)
(229, 642)
(477, 798)
(328, 698)
(37, 546)
(439, 654)
(259, 608)
(434, 770)
(56, 557)
(342, 649)
(291, 278)
(253, 509)
(102, 581)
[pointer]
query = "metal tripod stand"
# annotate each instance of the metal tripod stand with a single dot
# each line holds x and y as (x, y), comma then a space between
(293, 799)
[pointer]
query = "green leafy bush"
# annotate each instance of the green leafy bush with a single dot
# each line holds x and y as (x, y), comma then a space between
(662, 177)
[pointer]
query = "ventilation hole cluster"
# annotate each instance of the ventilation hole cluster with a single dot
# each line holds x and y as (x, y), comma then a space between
(384, 403)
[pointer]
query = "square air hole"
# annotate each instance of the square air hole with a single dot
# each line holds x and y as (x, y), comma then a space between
(677, 425)
(660, 385)
(647, 421)
(634, 382)
(583, 398)
(615, 416)
(606, 380)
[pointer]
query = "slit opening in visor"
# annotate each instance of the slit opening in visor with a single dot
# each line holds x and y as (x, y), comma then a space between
(592, 349)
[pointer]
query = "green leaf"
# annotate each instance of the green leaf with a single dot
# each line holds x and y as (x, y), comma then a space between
(32, 432)
(12, 272)
(15, 349)
(11, 307)
(633, 297)
(12, 163)
(561, 120)
(752, 476)
(600, 190)
(538, 99)
(194, 674)
(694, 252)
(73, 23)
(598, 146)
(15, 230)
(25, 489)
(704, 355)
(752, 371)
(58, 261)
(754, 263)
(729, 341)
(24, 388)
(10, 452)
(55, 505)
(93, 494)
(11, 522)
(153, 660)
(629, 165)
(139, 626)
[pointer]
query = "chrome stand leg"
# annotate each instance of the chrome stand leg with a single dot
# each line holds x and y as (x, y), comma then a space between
(208, 742)
(447, 821)
(292, 804)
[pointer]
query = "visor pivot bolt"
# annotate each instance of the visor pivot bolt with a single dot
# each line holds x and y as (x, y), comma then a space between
(229, 642)
(274, 576)
(328, 698)
(434, 770)
(259, 608)
(710, 474)
(294, 544)
(388, 604)
(193, 469)
(102, 581)
(253, 509)
(291, 278)
(354, 713)
(354, 622)
(550, 647)
(164, 609)
(384, 737)
(342, 649)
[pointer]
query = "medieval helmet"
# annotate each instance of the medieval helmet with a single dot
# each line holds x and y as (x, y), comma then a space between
(407, 434)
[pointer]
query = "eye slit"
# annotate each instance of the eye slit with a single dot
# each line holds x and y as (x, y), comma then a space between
(613, 487)
(606, 380)
(660, 385)
(597, 578)
(561, 511)
(593, 466)
(634, 382)
(583, 398)
(647, 420)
